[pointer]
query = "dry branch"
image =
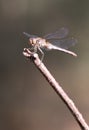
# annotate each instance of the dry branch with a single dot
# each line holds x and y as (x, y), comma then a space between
(58, 89)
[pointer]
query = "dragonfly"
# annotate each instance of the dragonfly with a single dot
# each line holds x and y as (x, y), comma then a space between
(58, 40)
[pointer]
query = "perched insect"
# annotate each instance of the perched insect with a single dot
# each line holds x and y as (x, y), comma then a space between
(57, 40)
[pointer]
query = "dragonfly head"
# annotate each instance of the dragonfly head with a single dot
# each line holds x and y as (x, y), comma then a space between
(33, 41)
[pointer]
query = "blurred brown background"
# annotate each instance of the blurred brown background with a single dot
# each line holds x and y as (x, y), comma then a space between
(27, 102)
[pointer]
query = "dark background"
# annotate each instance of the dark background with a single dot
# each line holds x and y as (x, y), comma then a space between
(27, 102)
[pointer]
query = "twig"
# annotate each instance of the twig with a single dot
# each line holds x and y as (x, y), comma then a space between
(68, 102)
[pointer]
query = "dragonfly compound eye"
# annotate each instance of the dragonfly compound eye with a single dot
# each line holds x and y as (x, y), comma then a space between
(38, 41)
(31, 41)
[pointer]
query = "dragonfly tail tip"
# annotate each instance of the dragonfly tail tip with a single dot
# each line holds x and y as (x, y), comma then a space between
(74, 54)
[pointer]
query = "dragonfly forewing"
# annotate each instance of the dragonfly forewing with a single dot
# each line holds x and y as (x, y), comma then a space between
(30, 36)
(61, 33)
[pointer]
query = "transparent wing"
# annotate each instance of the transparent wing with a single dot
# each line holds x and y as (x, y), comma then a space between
(65, 43)
(61, 33)
(30, 36)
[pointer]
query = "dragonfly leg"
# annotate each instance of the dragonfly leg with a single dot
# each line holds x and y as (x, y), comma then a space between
(41, 53)
(31, 49)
